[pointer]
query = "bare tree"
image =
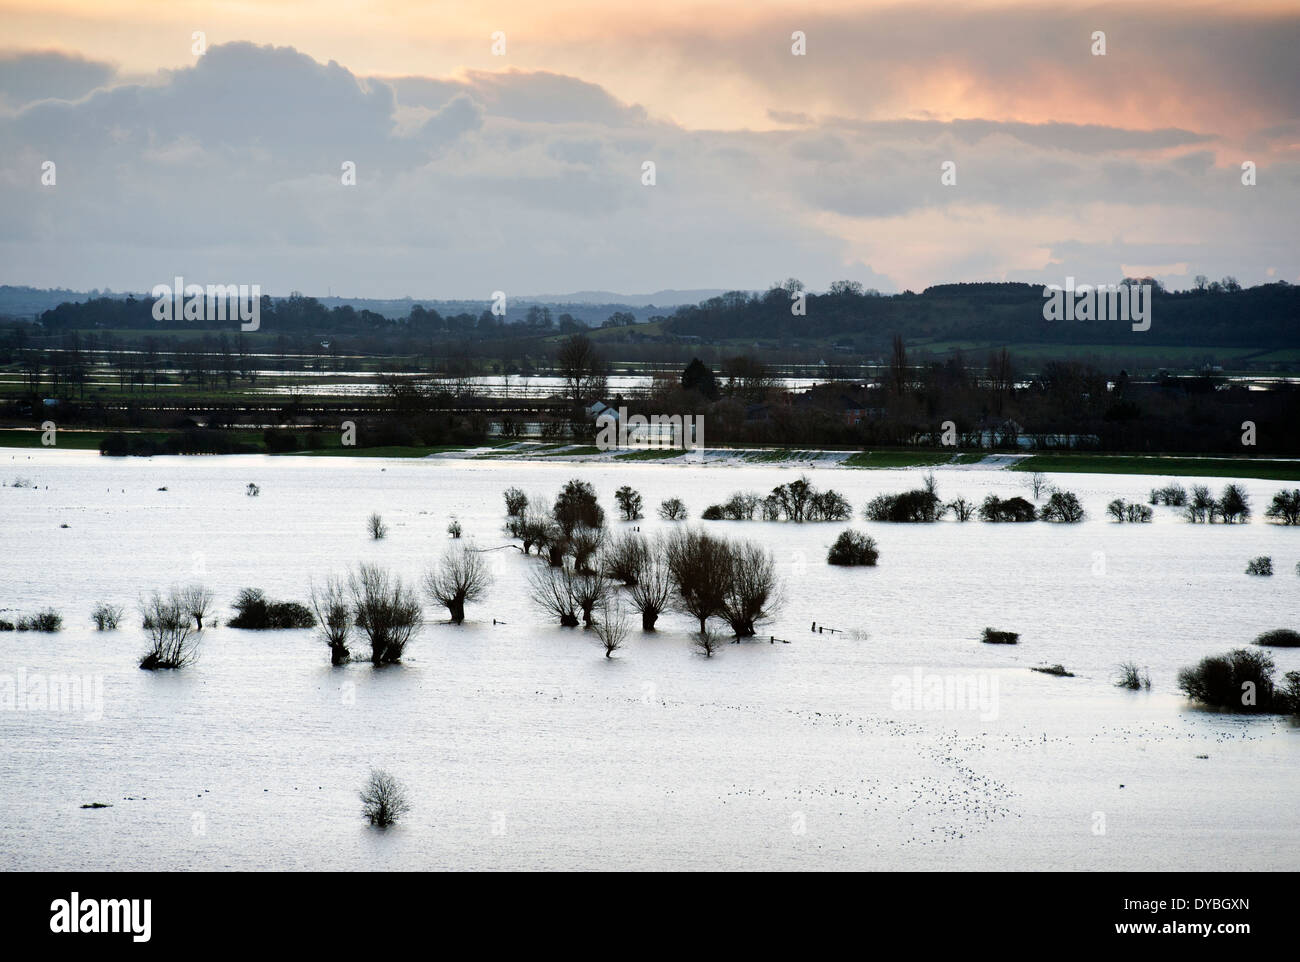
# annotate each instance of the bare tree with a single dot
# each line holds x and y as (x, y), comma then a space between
(197, 602)
(1037, 482)
(583, 543)
(383, 799)
(106, 617)
(334, 616)
(962, 509)
(623, 555)
(516, 502)
(552, 590)
(386, 610)
(673, 509)
(582, 367)
(589, 590)
(174, 640)
(652, 586)
(554, 542)
(700, 566)
(898, 369)
(375, 525)
(529, 526)
(752, 590)
(461, 576)
(707, 642)
(629, 503)
(611, 626)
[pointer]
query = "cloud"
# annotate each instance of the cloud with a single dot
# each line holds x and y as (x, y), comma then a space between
(229, 171)
(26, 77)
(537, 97)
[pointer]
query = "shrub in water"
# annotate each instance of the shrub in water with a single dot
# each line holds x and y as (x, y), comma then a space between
(853, 548)
(48, 621)
(1279, 638)
(1174, 495)
(173, 635)
(1233, 504)
(961, 509)
(1132, 677)
(106, 617)
(1008, 510)
(919, 506)
(383, 799)
(629, 503)
(1240, 681)
(516, 502)
(1263, 565)
(1201, 507)
(1135, 513)
(1285, 507)
(673, 510)
(994, 637)
(257, 613)
(1062, 507)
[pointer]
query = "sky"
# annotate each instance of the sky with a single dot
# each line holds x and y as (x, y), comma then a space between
(502, 145)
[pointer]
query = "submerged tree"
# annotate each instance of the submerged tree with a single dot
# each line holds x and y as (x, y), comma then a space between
(673, 509)
(700, 567)
(853, 548)
(197, 602)
(611, 627)
(552, 590)
(576, 506)
(1062, 507)
(516, 502)
(386, 610)
(622, 556)
(589, 591)
(1234, 504)
(652, 586)
(706, 642)
(1285, 507)
(751, 590)
(583, 544)
(629, 503)
(460, 576)
(333, 610)
(383, 799)
(174, 639)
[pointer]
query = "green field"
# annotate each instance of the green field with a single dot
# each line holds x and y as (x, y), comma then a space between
(76, 440)
(901, 459)
(1171, 465)
(650, 455)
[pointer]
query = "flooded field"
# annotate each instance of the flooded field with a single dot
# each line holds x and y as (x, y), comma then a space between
(523, 747)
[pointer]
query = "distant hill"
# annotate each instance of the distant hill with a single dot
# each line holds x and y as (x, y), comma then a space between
(588, 307)
(1265, 317)
(668, 298)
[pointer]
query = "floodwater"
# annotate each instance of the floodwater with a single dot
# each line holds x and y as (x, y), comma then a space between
(523, 747)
